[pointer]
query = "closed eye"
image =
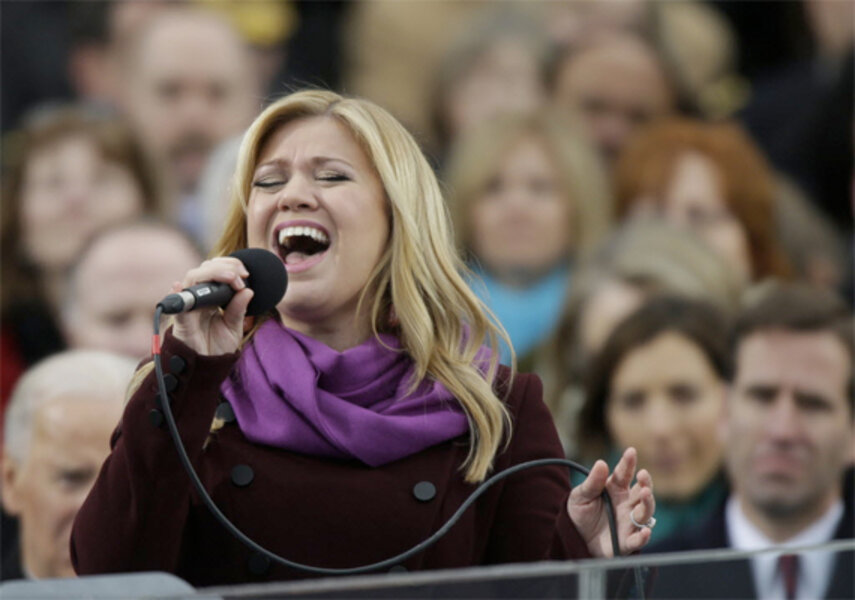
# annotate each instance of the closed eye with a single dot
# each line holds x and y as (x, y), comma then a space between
(333, 177)
(267, 184)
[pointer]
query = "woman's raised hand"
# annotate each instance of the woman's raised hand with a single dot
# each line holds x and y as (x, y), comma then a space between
(211, 330)
(588, 512)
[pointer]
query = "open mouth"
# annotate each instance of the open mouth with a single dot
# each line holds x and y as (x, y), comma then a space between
(299, 244)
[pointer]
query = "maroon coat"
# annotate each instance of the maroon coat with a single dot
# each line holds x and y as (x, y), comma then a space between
(142, 514)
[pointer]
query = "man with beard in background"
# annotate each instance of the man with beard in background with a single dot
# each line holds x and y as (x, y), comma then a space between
(188, 82)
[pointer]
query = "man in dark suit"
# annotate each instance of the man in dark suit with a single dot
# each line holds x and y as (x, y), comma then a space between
(789, 438)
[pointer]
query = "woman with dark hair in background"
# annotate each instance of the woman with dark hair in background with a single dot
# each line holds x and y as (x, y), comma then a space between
(67, 174)
(639, 261)
(659, 385)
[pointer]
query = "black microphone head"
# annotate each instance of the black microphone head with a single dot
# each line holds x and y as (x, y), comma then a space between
(267, 278)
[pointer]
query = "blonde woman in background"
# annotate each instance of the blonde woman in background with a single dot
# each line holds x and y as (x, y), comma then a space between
(528, 197)
(357, 415)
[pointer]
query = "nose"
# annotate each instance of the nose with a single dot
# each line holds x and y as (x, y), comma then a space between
(194, 109)
(611, 130)
(513, 203)
(298, 194)
(660, 419)
(783, 422)
(519, 198)
(76, 195)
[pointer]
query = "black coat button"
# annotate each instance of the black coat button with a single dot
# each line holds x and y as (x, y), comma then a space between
(424, 491)
(155, 417)
(171, 382)
(242, 475)
(225, 412)
(159, 403)
(398, 569)
(177, 364)
(258, 564)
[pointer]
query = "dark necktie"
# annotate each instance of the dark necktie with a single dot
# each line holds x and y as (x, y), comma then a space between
(789, 565)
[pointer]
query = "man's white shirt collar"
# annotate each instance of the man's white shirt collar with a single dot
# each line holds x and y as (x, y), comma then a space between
(815, 568)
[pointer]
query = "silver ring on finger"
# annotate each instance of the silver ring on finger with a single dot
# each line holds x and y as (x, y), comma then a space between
(649, 524)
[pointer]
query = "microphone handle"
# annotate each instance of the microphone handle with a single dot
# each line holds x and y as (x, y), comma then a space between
(209, 293)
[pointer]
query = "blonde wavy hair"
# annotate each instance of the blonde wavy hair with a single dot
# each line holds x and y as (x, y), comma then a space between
(477, 157)
(440, 322)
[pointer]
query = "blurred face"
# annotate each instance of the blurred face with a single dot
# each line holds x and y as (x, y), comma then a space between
(319, 204)
(607, 306)
(667, 401)
(567, 21)
(694, 199)
(190, 87)
(118, 285)
(69, 192)
(615, 87)
(789, 428)
(70, 441)
(505, 79)
(521, 223)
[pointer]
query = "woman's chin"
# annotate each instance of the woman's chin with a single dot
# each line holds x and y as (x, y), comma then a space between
(300, 305)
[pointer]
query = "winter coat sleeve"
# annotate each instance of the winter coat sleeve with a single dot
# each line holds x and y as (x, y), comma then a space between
(134, 517)
(532, 521)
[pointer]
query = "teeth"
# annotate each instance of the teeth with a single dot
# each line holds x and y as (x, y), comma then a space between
(312, 232)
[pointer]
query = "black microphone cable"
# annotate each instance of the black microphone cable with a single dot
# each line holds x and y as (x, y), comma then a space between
(389, 562)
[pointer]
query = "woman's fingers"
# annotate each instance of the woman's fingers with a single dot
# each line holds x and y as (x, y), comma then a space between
(643, 477)
(636, 540)
(645, 494)
(643, 507)
(236, 310)
(223, 269)
(636, 501)
(592, 487)
(647, 504)
(624, 471)
(211, 330)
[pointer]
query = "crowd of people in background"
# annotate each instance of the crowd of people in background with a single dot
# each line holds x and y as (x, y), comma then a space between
(655, 205)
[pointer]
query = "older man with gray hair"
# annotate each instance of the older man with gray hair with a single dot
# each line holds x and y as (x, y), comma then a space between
(56, 437)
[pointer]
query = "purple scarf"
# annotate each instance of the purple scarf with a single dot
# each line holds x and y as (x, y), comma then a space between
(293, 392)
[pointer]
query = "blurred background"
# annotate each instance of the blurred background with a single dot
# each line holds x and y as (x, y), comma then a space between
(595, 154)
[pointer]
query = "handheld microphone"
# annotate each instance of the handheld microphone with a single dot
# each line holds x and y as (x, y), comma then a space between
(267, 279)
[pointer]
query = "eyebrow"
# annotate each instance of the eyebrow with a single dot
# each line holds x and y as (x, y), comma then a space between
(314, 161)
